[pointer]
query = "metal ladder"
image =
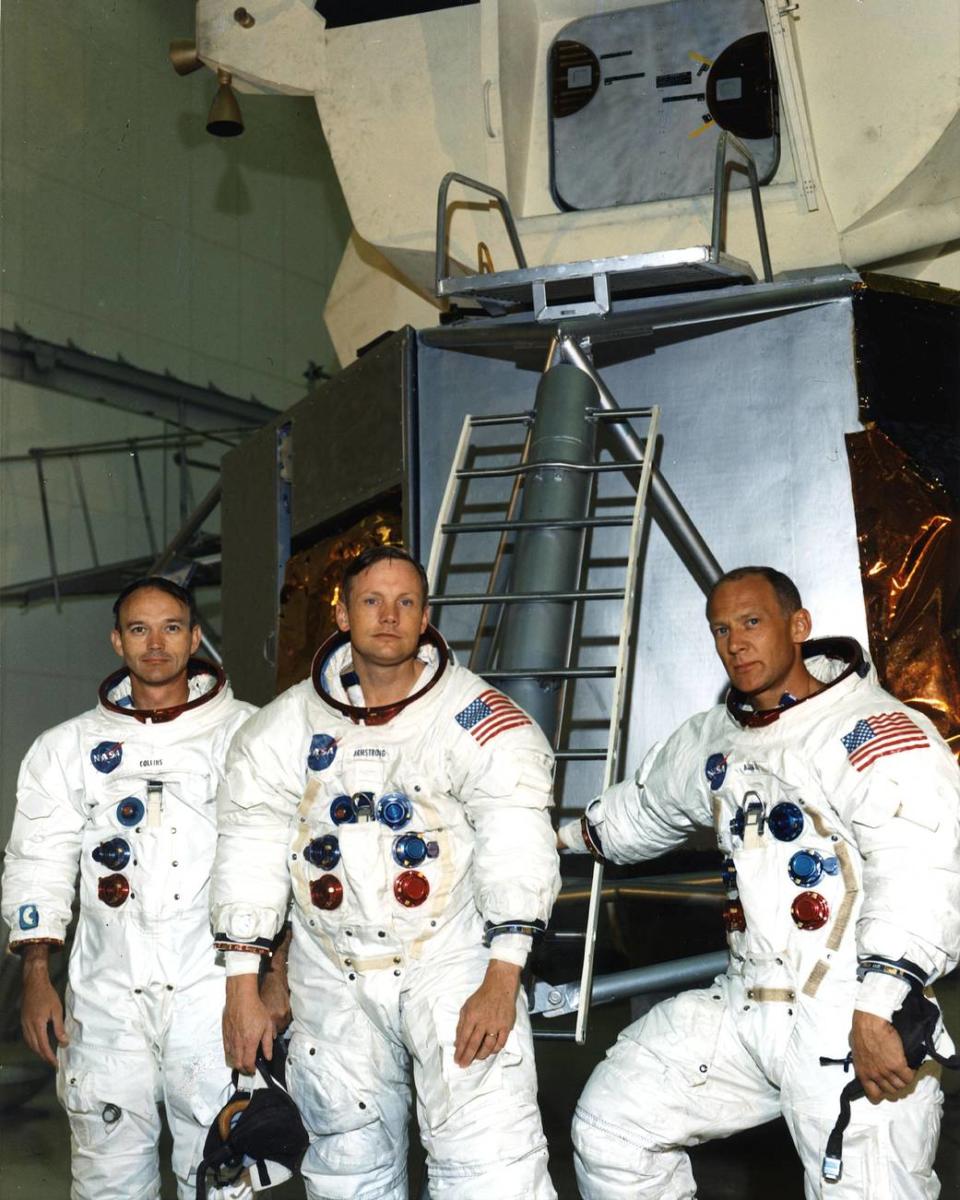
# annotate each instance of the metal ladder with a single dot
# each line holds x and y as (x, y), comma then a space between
(448, 529)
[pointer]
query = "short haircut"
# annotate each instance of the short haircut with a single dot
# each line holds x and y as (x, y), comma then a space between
(375, 554)
(160, 584)
(787, 592)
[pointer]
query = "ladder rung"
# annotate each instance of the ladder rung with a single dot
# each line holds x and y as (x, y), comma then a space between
(527, 597)
(511, 526)
(551, 673)
(526, 468)
(580, 755)
(598, 414)
(616, 414)
(508, 419)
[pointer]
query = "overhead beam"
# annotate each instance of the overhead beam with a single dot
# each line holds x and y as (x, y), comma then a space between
(110, 578)
(120, 384)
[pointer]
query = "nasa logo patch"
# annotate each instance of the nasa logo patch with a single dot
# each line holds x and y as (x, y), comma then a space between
(29, 916)
(716, 770)
(323, 750)
(106, 757)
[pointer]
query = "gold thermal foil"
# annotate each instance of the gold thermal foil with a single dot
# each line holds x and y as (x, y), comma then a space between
(311, 588)
(909, 539)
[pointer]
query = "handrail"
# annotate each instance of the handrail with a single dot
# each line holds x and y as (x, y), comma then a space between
(720, 201)
(450, 177)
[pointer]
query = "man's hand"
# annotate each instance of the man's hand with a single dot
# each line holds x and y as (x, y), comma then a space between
(878, 1057)
(40, 1007)
(488, 1015)
(274, 991)
(247, 1025)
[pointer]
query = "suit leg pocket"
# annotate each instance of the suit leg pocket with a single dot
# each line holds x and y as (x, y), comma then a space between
(354, 1124)
(109, 1100)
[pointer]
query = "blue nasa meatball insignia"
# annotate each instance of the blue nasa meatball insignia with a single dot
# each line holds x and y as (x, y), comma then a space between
(107, 756)
(716, 770)
(323, 750)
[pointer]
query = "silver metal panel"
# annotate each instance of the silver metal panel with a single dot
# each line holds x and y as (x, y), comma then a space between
(753, 425)
(754, 412)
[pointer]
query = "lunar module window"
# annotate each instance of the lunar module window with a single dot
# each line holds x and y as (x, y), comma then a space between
(637, 96)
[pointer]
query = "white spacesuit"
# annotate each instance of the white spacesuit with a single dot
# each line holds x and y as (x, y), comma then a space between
(401, 832)
(839, 822)
(129, 797)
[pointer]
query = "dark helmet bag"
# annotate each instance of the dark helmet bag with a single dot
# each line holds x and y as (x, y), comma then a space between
(258, 1131)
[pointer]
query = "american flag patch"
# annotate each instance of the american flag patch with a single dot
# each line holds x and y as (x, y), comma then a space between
(889, 733)
(491, 713)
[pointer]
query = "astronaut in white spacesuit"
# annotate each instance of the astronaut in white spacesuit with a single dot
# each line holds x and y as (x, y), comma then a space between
(126, 794)
(837, 811)
(405, 804)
